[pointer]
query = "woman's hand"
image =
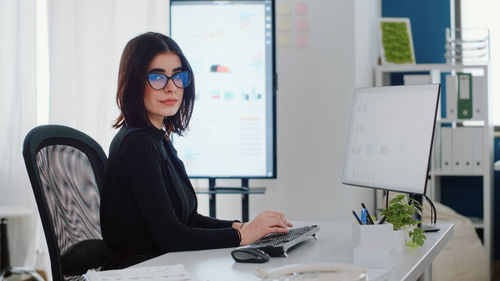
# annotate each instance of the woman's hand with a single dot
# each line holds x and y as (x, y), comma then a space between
(265, 223)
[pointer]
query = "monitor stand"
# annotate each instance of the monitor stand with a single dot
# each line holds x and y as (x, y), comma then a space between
(429, 228)
(425, 227)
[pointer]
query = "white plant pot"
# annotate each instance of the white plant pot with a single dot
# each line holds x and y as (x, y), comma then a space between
(400, 239)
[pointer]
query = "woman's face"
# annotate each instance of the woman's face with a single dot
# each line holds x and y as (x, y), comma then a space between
(165, 102)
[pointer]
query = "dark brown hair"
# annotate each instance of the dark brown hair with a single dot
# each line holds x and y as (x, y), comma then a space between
(136, 57)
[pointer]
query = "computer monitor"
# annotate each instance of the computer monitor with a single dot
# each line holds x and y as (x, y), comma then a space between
(390, 137)
(231, 48)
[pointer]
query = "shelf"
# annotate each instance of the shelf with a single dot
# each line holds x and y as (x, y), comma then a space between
(232, 190)
(465, 122)
(425, 67)
(481, 123)
(457, 173)
(477, 222)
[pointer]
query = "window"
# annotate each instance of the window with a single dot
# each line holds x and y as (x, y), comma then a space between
(484, 14)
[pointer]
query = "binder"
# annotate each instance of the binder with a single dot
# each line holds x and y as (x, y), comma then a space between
(477, 148)
(436, 149)
(416, 79)
(468, 145)
(446, 148)
(458, 149)
(464, 106)
(479, 94)
(451, 97)
(443, 101)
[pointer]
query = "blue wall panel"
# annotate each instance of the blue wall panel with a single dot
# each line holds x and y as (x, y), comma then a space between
(463, 194)
(428, 19)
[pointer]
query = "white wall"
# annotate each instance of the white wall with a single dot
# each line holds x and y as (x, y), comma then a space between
(366, 42)
(313, 110)
(313, 107)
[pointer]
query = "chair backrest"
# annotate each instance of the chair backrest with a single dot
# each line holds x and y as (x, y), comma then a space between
(66, 168)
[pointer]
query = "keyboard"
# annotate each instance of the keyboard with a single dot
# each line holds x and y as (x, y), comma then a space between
(277, 244)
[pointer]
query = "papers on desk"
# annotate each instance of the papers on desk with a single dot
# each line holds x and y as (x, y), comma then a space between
(153, 273)
(314, 272)
(323, 271)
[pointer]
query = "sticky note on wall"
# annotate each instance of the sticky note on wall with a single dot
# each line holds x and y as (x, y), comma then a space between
(284, 9)
(284, 25)
(284, 39)
(301, 9)
(301, 25)
(301, 41)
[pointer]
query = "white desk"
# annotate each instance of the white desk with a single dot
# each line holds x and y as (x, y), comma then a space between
(334, 244)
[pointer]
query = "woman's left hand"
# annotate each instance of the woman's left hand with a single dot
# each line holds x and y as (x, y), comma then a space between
(265, 223)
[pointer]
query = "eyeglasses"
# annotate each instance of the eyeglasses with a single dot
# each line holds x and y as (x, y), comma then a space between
(159, 81)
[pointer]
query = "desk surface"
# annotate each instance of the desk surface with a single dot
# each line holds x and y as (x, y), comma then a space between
(334, 244)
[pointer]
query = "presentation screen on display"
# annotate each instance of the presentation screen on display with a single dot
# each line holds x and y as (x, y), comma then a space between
(390, 137)
(230, 46)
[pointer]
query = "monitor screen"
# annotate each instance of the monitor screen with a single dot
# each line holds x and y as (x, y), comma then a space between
(390, 137)
(230, 46)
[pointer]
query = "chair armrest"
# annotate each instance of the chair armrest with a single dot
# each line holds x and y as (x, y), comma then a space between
(85, 255)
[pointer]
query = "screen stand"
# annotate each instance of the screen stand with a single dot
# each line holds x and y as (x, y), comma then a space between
(425, 227)
(244, 190)
(211, 197)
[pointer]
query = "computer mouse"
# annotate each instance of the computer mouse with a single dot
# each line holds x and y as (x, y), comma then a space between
(249, 255)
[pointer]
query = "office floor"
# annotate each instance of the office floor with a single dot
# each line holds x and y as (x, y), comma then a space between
(23, 277)
(496, 271)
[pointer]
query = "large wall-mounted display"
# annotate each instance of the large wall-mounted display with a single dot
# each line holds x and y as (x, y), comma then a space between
(231, 48)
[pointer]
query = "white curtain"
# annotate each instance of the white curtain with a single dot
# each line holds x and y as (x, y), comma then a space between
(86, 39)
(17, 117)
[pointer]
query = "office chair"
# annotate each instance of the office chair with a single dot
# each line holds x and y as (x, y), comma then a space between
(66, 168)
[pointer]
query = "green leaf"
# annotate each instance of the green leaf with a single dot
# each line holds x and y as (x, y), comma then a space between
(417, 237)
(401, 215)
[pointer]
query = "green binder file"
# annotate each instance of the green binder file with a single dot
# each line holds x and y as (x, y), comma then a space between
(464, 106)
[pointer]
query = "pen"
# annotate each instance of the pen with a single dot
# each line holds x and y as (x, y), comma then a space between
(382, 220)
(363, 216)
(356, 216)
(369, 218)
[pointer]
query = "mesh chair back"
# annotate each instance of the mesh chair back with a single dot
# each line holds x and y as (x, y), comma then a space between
(71, 193)
(66, 169)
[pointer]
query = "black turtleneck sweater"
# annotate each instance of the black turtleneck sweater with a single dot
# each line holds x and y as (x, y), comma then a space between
(148, 205)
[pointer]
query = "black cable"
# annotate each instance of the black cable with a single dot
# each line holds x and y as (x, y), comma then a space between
(387, 199)
(432, 212)
(433, 208)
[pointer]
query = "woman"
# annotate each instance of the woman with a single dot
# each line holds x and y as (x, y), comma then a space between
(148, 204)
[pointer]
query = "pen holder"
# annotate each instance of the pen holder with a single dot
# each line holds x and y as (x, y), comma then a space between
(373, 245)
(373, 235)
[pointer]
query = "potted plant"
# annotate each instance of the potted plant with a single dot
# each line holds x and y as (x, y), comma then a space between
(401, 213)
